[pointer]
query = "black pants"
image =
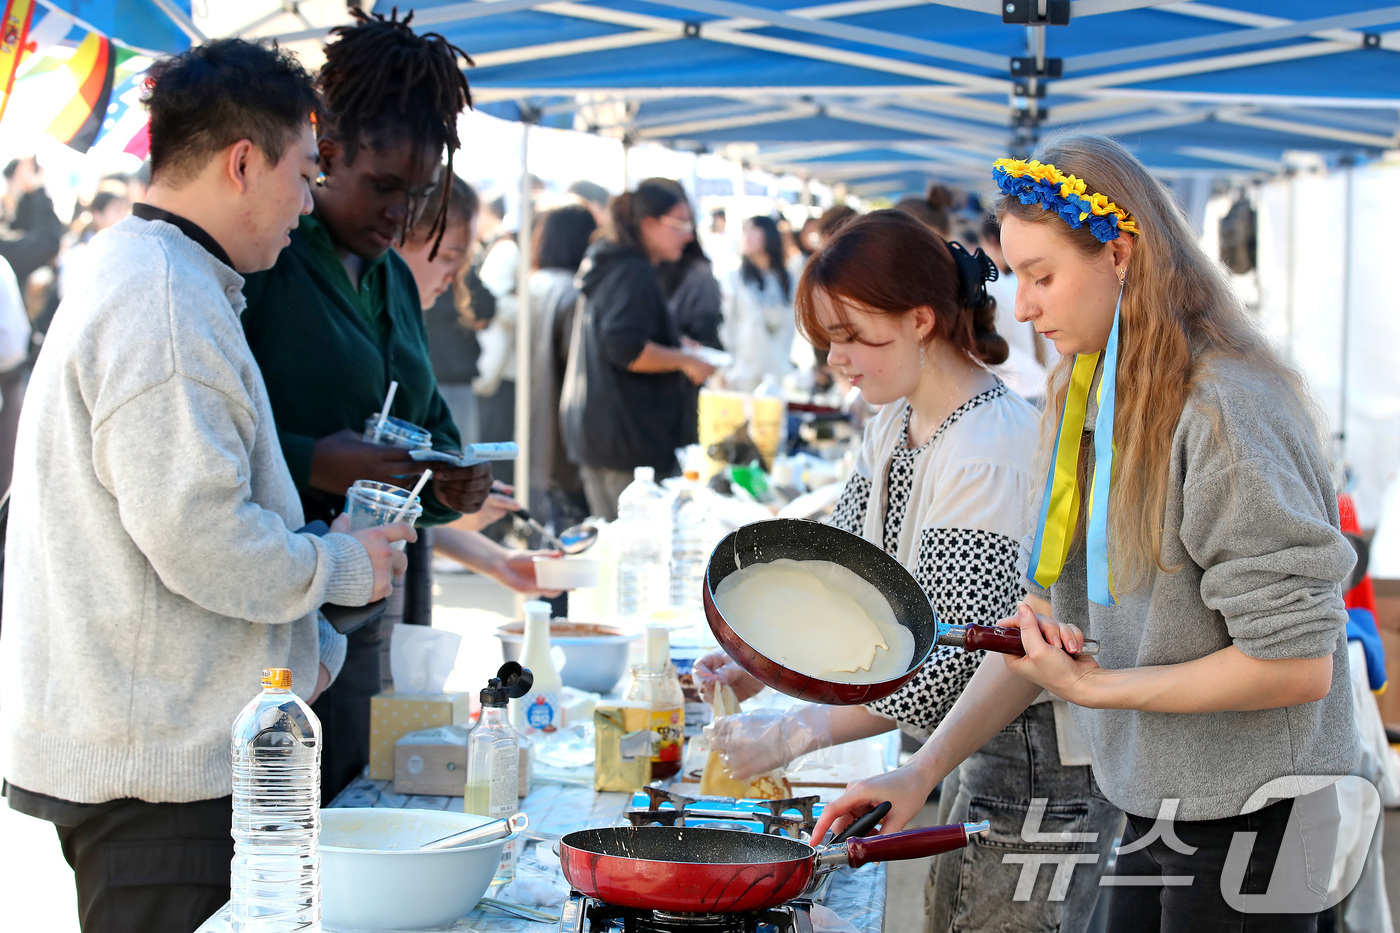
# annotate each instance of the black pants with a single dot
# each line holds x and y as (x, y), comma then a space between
(1200, 907)
(344, 706)
(142, 867)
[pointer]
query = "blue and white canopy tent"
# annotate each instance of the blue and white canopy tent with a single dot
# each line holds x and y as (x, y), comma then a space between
(887, 95)
(1224, 87)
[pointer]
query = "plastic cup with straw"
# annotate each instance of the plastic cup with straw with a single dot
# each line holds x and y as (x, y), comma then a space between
(384, 412)
(371, 504)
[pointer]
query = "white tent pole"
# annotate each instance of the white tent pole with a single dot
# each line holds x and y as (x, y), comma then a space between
(1291, 248)
(1347, 239)
(523, 382)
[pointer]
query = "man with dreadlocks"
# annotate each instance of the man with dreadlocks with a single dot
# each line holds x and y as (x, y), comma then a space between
(337, 319)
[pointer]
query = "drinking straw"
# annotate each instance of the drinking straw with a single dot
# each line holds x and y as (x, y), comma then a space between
(417, 488)
(384, 412)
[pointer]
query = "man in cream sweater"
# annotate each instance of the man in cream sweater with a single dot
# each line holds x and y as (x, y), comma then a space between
(153, 567)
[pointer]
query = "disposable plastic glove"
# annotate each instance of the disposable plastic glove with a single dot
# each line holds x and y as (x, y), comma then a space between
(716, 667)
(766, 739)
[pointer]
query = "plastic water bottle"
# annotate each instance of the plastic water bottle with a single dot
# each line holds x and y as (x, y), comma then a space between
(644, 545)
(694, 534)
(276, 877)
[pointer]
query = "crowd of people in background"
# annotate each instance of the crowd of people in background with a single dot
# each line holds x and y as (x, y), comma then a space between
(729, 293)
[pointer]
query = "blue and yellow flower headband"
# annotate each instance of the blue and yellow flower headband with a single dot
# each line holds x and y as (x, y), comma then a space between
(1041, 183)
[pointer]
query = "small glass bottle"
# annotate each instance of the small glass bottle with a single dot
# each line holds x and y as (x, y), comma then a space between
(493, 758)
(656, 684)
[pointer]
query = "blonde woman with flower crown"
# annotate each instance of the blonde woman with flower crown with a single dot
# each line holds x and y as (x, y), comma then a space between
(1188, 524)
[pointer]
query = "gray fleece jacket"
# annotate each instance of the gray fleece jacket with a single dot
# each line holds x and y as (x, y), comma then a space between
(1252, 523)
(151, 567)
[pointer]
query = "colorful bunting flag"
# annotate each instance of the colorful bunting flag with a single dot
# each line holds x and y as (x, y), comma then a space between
(126, 127)
(93, 68)
(14, 30)
(49, 28)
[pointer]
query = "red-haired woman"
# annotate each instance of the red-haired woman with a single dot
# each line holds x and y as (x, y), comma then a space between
(942, 483)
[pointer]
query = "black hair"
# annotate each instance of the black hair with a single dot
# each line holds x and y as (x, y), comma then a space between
(653, 198)
(11, 167)
(773, 246)
(497, 206)
(562, 237)
(590, 191)
(929, 213)
(210, 97)
(382, 82)
(103, 200)
(833, 218)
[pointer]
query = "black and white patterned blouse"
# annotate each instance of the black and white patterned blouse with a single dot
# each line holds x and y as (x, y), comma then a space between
(953, 511)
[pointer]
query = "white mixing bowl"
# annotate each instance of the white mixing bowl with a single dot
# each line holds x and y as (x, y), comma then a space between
(373, 879)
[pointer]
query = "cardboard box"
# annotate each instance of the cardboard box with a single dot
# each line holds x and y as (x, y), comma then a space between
(622, 733)
(432, 762)
(392, 716)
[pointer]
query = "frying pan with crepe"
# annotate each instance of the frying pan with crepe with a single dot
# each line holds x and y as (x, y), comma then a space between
(795, 539)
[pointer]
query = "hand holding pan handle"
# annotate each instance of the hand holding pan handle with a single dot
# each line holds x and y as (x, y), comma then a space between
(916, 843)
(863, 825)
(996, 638)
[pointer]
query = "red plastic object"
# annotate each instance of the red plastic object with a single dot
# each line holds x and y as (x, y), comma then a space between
(994, 638)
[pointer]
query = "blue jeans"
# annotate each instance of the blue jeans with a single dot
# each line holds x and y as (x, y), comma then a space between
(1039, 867)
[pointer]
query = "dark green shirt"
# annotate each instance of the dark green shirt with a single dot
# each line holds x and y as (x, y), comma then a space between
(329, 350)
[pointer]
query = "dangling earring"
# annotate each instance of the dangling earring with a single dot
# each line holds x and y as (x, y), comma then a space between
(1122, 275)
(922, 353)
(321, 180)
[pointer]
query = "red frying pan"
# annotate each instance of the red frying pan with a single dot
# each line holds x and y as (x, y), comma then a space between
(720, 871)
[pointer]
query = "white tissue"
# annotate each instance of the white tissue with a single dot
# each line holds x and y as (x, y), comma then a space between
(421, 658)
(826, 920)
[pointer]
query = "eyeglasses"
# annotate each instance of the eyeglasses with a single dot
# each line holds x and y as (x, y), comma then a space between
(684, 226)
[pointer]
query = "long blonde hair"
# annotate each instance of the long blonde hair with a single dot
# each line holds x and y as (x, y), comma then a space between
(1178, 314)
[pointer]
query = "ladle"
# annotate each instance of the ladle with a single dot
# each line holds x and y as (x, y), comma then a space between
(573, 540)
(486, 832)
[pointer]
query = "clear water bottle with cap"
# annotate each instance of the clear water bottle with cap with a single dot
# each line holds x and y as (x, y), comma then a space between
(644, 546)
(695, 532)
(276, 875)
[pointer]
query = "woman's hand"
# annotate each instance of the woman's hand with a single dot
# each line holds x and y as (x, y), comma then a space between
(716, 667)
(515, 570)
(906, 789)
(1050, 662)
(339, 459)
(696, 369)
(497, 505)
(463, 489)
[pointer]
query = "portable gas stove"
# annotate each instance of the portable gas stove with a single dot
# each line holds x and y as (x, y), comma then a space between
(793, 817)
(587, 915)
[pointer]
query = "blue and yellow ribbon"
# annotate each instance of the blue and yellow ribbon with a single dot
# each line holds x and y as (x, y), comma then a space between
(1059, 510)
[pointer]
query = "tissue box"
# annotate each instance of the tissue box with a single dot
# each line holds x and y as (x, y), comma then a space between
(622, 735)
(432, 761)
(392, 716)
